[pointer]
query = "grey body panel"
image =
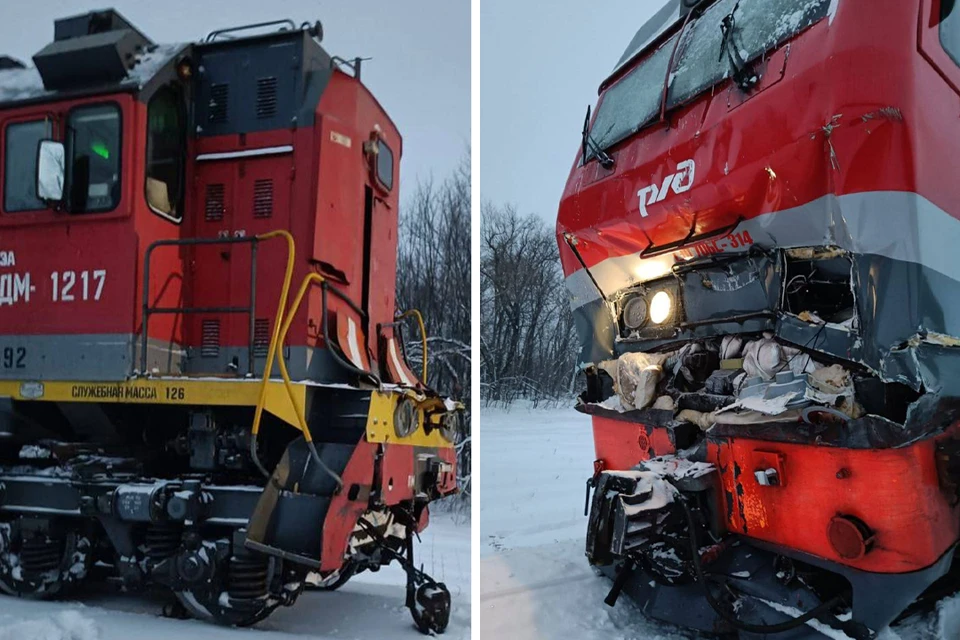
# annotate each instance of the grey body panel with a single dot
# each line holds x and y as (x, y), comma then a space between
(110, 357)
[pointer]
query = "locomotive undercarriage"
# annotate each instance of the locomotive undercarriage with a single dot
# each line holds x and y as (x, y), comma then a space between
(163, 500)
(801, 370)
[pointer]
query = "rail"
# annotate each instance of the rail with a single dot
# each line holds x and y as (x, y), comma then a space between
(415, 313)
(250, 310)
(280, 335)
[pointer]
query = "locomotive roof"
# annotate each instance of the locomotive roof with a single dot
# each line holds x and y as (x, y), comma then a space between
(25, 85)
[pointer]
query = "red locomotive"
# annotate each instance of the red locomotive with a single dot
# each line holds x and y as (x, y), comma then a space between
(173, 412)
(756, 237)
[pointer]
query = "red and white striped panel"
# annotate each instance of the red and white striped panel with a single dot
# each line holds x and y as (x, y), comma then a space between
(352, 341)
(397, 367)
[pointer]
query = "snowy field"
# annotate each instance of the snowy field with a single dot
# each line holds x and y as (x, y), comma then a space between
(534, 579)
(370, 606)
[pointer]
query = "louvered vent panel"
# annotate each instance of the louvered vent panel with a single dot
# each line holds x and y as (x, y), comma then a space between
(261, 337)
(210, 340)
(266, 97)
(263, 198)
(214, 208)
(219, 100)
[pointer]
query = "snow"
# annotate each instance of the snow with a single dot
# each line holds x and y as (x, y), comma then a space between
(535, 582)
(370, 606)
(149, 63)
(20, 84)
(26, 84)
(534, 579)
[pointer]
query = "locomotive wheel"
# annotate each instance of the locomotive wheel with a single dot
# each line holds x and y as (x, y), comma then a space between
(237, 596)
(41, 565)
(219, 608)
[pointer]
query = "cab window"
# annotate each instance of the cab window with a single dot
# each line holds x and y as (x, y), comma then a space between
(950, 28)
(93, 158)
(165, 139)
(385, 165)
(22, 141)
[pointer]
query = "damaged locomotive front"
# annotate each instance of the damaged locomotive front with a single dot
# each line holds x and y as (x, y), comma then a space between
(757, 246)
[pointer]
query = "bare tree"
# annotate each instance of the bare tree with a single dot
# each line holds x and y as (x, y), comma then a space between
(433, 275)
(528, 343)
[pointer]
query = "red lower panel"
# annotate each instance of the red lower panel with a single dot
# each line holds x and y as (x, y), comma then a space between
(344, 513)
(894, 491)
(621, 445)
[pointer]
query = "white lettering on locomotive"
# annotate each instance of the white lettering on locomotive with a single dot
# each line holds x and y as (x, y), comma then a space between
(680, 182)
(65, 285)
(7, 259)
(15, 287)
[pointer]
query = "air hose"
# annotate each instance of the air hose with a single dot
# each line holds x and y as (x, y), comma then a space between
(726, 615)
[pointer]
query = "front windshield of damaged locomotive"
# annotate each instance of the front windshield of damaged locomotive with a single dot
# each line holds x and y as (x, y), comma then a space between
(715, 46)
(93, 172)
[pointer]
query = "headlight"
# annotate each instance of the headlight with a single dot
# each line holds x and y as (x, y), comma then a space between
(405, 418)
(661, 307)
(450, 427)
(635, 312)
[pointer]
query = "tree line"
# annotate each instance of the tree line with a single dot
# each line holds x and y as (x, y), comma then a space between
(433, 276)
(528, 344)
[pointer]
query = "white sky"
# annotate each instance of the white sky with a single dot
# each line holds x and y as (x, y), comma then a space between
(541, 64)
(420, 70)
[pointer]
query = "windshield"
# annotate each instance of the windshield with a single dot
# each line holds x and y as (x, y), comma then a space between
(632, 101)
(20, 165)
(700, 61)
(93, 150)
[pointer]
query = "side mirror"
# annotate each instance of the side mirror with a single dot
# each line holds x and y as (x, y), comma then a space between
(51, 160)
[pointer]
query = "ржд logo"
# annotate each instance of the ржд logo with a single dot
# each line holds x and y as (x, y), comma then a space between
(680, 182)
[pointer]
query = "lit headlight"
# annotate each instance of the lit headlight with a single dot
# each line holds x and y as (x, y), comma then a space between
(661, 307)
(405, 418)
(635, 312)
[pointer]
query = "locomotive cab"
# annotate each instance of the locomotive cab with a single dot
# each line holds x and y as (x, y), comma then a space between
(197, 306)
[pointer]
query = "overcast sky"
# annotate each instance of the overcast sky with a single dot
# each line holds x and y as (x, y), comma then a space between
(420, 70)
(541, 64)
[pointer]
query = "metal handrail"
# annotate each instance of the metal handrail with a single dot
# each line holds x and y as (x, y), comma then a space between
(250, 310)
(415, 313)
(274, 341)
(248, 27)
(281, 329)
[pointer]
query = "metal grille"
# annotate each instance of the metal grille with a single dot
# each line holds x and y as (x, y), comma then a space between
(266, 97)
(214, 207)
(210, 339)
(263, 198)
(261, 337)
(219, 100)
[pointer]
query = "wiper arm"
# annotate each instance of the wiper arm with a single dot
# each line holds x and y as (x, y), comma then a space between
(587, 141)
(744, 77)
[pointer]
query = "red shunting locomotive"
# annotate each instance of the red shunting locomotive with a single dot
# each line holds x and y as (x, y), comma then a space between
(756, 237)
(202, 377)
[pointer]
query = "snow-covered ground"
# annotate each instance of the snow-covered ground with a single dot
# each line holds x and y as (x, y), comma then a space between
(369, 607)
(534, 579)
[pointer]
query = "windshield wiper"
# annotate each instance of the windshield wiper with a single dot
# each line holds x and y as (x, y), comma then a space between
(587, 141)
(745, 78)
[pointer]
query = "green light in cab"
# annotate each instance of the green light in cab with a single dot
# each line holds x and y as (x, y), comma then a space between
(101, 150)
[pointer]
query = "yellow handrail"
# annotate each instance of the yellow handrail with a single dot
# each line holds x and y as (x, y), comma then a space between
(288, 383)
(288, 320)
(423, 336)
(274, 338)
